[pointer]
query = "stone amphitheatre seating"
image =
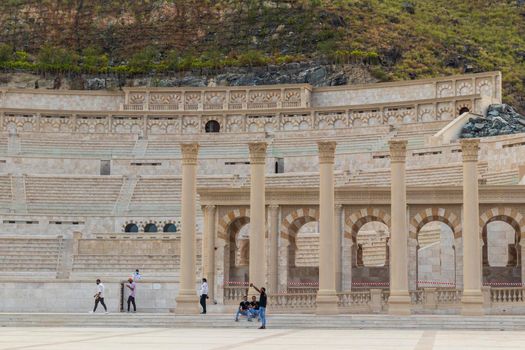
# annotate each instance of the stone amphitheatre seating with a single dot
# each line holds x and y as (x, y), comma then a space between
(119, 264)
(154, 194)
(72, 195)
(501, 177)
(71, 145)
(6, 196)
(420, 176)
(30, 254)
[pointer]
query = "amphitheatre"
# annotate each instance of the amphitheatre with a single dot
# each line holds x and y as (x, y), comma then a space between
(357, 199)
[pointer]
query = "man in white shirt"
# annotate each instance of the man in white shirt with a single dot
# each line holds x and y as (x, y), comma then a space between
(99, 297)
(204, 295)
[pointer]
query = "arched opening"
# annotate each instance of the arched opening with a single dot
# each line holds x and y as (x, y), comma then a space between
(436, 257)
(501, 251)
(237, 251)
(170, 228)
(150, 228)
(303, 255)
(212, 126)
(463, 110)
(133, 228)
(371, 256)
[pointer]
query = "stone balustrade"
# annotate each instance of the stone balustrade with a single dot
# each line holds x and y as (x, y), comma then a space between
(136, 119)
(509, 295)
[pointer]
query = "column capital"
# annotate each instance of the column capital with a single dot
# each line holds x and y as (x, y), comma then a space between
(326, 151)
(398, 150)
(273, 207)
(190, 152)
(469, 149)
(257, 152)
(209, 207)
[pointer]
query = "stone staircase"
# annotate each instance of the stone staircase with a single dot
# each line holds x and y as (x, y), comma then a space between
(30, 254)
(295, 321)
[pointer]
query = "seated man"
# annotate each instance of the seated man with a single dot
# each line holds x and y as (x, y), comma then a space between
(254, 308)
(243, 308)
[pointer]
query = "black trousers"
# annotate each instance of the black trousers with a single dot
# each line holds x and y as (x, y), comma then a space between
(131, 300)
(101, 301)
(203, 302)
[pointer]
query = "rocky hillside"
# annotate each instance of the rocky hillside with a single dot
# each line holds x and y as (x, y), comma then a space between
(262, 41)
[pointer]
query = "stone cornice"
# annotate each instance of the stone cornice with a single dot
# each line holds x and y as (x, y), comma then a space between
(470, 149)
(326, 151)
(190, 152)
(398, 150)
(349, 195)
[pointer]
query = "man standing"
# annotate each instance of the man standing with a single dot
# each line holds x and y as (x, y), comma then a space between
(132, 286)
(204, 295)
(262, 305)
(99, 297)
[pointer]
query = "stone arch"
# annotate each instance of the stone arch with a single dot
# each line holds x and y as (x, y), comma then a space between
(238, 217)
(357, 219)
(505, 214)
(293, 222)
(434, 214)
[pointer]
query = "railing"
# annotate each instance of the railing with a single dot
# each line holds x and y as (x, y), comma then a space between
(166, 107)
(234, 294)
(134, 107)
(507, 295)
(448, 296)
(292, 302)
(417, 297)
(348, 299)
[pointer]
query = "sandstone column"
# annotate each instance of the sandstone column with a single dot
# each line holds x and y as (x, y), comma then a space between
(522, 259)
(257, 268)
(208, 267)
(326, 296)
(399, 300)
(273, 239)
(472, 300)
(338, 232)
(187, 299)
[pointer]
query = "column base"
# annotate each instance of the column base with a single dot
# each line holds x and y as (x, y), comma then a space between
(187, 303)
(326, 303)
(399, 303)
(472, 303)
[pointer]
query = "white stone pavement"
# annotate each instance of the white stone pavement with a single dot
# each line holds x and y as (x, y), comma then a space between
(221, 339)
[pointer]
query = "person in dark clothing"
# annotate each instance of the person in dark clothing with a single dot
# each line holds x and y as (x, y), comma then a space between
(254, 307)
(262, 305)
(243, 308)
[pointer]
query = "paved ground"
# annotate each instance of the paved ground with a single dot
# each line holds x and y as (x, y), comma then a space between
(223, 339)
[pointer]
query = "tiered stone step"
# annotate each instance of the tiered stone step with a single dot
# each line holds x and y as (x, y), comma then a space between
(154, 195)
(29, 254)
(72, 195)
(307, 253)
(296, 321)
(503, 177)
(126, 263)
(424, 176)
(68, 146)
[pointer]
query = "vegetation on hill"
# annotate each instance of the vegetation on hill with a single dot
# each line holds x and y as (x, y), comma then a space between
(395, 39)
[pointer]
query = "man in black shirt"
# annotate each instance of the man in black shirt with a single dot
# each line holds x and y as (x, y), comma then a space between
(262, 305)
(254, 307)
(243, 308)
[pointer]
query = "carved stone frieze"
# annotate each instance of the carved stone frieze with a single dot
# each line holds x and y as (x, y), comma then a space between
(125, 124)
(163, 125)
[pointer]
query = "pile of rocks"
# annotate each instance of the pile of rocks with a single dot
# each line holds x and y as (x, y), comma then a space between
(501, 119)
